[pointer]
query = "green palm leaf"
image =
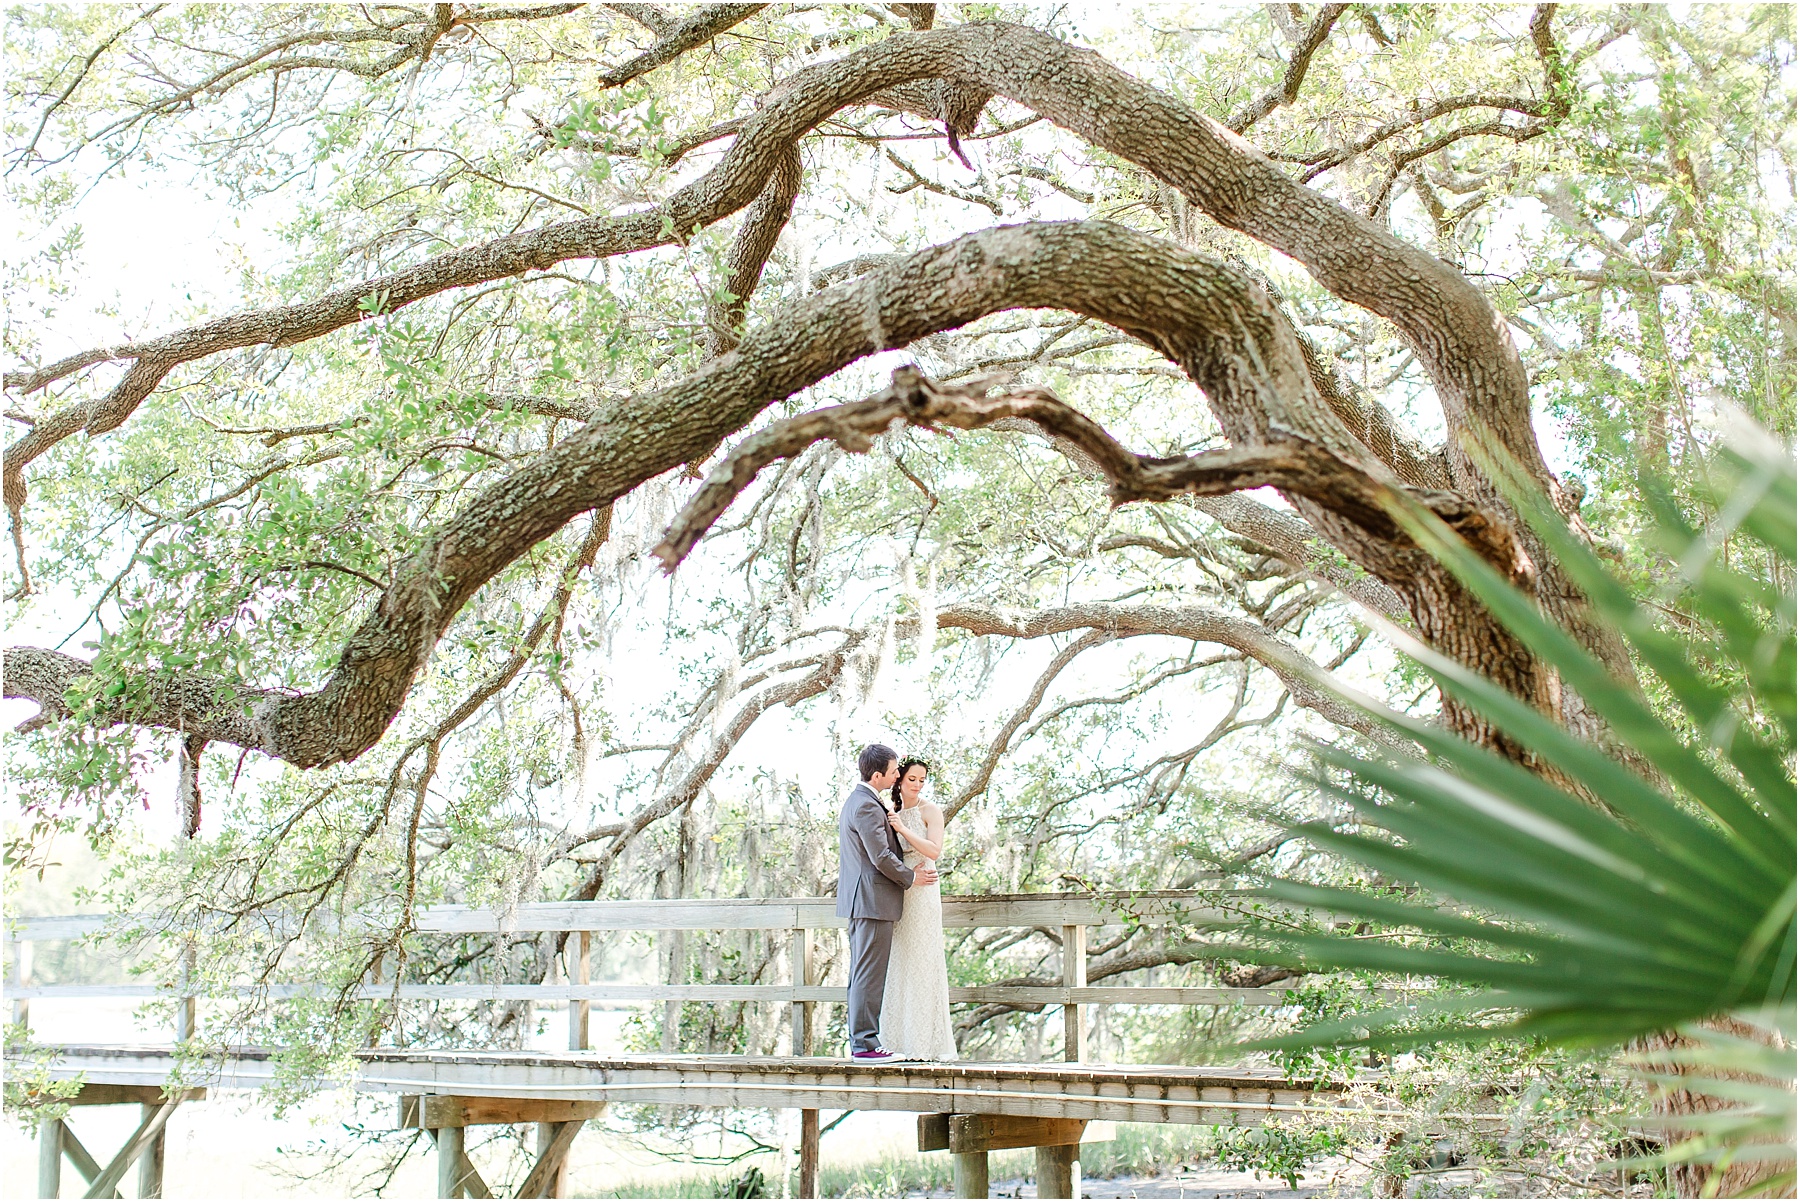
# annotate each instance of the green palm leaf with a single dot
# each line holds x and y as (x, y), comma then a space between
(1596, 902)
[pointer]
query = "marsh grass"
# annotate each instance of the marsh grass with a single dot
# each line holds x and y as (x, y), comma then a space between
(1141, 1149)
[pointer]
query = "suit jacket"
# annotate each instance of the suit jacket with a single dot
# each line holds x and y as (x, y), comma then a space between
(872, 878)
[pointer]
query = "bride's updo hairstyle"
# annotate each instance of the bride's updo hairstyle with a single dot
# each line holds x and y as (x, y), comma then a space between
(905, 767)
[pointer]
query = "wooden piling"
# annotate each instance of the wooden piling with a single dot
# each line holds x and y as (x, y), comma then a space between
(809, 1154)
(150, 1164)
(1058, 1171)
(50, 1156)
(969, 1174)
(450, 1157)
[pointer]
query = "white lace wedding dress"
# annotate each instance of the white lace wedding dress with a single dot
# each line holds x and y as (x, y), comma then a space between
(915, 1008)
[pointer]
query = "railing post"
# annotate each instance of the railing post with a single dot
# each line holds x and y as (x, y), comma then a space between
(186, 1012)
(50, 1157)
(579, 966)
(671, 1034)
(801, 973)
(20, 972)
(1074, 963)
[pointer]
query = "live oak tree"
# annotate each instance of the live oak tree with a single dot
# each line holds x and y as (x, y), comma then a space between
(568, 284)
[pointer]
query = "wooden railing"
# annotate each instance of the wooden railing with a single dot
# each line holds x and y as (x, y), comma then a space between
(1072, 915)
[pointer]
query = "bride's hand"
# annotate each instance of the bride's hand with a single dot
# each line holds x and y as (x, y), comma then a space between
(894, 821)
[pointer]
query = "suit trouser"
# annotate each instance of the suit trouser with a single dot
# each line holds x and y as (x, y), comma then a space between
(870, 941)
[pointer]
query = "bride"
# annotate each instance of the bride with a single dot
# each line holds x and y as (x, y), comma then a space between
(915, 1008)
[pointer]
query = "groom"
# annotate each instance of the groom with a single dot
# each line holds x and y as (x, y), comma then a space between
(872, 885)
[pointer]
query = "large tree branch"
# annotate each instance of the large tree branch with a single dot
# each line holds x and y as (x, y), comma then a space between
(1458, 337)
(1295, 465)
(676, 37)
(1096, 268)
(750, 250)
(1294, 542)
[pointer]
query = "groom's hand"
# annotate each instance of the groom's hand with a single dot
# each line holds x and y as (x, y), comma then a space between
(925, 876)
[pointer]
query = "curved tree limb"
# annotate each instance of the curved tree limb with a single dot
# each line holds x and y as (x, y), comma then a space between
(1294, 465)
(1252, 368)
(977, 784)
(756, 237)
(1288, 89)
(1297, 672)
(1223, 332)
(676, 36)
(1457, 334)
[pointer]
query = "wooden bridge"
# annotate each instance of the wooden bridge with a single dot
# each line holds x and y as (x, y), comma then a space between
(967, 1109)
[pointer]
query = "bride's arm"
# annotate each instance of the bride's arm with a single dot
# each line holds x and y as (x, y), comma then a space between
(931, 843)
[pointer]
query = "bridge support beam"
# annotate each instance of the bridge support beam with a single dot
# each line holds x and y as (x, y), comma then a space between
(969, 1174)
(809, 1154)
(446, 1115)
(970, 1137)
(50, 1154)
(451, 1176)
(150, 1164)
(145, 1147)
(1059, 1171)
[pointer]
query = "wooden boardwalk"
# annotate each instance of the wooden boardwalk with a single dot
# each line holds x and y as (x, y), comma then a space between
(967, 1109)
(1125, 1093)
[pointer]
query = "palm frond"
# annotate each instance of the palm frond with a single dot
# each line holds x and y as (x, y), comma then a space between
(1591, 902)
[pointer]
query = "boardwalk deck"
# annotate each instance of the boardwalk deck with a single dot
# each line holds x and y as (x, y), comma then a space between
(1135, 1093)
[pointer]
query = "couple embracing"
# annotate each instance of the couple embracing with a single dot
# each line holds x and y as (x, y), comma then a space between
(889, 841)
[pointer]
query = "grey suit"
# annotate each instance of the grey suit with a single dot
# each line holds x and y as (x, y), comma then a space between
(872, 885)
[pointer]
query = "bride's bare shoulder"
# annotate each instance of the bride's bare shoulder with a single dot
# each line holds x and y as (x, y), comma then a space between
(930, 809)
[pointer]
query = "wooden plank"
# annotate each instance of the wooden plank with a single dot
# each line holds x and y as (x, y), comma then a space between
(579, 1008)
(995, 1132)
(669, 914)
(1074, 970)
(727, 914)
(437, 1111)
(1120, 1093)
(800, 974)
(559, 1180)
(60, 926)
(934, 1133)
(739, 913)
(98, 1094)
(150, 1164)
(1121, 995)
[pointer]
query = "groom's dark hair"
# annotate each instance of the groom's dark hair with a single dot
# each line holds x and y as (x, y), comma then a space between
(875, 758)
